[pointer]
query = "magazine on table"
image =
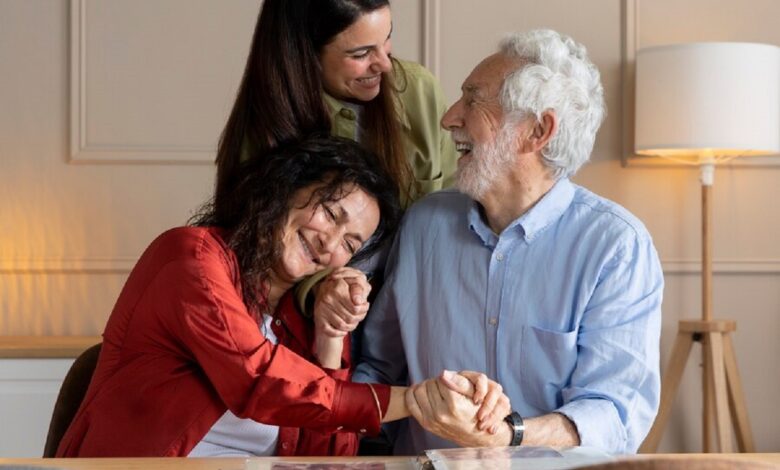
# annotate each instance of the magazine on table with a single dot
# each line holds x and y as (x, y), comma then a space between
(510, 458)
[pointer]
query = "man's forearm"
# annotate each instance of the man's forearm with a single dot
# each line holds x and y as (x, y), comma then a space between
(552, 430)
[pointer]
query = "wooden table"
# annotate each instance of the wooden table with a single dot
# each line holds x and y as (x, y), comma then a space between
(391, 463)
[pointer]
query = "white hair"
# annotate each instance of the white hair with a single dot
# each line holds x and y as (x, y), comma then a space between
(555, 74)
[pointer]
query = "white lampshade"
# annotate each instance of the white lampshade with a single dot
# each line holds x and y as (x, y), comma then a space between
(717, 98)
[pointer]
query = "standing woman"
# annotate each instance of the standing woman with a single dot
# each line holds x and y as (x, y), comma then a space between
(326, 65)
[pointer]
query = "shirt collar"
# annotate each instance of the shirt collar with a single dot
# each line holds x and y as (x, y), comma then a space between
(332, 103)
(544, 213)
(479, 227)
(335, 105)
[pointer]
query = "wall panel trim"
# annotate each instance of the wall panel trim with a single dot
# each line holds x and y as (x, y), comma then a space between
(725, 266)
(81, 151)
(431, 35)
(123, 265)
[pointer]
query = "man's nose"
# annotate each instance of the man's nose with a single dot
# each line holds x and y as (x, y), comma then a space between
(452, 118)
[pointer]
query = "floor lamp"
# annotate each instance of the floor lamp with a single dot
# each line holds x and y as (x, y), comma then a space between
(704, 103)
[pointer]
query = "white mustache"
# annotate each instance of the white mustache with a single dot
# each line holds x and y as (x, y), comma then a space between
(459, 136)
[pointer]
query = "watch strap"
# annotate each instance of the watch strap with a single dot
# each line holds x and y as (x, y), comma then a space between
(518, 428)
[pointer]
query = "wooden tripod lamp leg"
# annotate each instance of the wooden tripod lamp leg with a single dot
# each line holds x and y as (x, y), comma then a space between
(717, 372)
(708, 398)
(669, 384)
(737, 398)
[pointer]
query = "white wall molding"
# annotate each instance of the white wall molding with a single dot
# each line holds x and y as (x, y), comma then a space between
(630, 45)
(67, 265)
(81, 150)
(431, 35)
(725, 266)
(125, 264)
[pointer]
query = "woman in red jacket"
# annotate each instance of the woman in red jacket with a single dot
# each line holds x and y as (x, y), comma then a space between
(204, 353)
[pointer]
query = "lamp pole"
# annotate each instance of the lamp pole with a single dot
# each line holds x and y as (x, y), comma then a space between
(707, 178)
(707, 164)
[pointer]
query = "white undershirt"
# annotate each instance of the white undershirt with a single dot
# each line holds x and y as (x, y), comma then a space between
(232, 436)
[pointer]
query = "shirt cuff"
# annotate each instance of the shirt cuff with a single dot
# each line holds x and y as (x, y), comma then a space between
(338, 374)
(598, 424)
(355, 407)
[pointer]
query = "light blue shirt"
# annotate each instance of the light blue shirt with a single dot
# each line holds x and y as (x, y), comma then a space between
(563, 309)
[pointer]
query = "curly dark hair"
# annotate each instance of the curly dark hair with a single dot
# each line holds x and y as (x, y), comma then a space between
(256, 208)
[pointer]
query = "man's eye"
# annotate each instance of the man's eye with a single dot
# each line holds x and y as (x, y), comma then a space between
(350, 248)
(360, 55)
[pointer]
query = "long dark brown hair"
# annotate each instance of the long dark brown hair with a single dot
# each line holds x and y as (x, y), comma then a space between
(280, 98)
(253, 210)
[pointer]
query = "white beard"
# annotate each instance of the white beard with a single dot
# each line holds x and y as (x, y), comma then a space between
(487, 161)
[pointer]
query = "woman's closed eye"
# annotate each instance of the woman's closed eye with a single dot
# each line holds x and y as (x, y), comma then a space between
(362, 54)
(329, 212)
(351, 246)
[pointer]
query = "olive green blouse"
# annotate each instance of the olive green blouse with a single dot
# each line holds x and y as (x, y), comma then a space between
(421, 104)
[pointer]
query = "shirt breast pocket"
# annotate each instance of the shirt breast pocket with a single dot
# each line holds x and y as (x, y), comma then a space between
(548, 360)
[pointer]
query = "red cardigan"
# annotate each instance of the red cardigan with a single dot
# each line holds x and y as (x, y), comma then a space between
(180, 348)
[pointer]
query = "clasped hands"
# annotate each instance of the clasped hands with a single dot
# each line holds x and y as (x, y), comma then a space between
(464, 407)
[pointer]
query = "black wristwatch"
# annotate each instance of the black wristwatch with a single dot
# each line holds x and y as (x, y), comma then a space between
(516, 422)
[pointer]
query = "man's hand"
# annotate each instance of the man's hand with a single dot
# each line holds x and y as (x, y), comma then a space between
(495, 406)
(451, 414)
(341, 302)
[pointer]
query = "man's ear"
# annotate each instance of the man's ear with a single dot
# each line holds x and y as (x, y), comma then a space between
(542, 132)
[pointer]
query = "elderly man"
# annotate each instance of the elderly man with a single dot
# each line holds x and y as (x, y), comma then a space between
(547, 288)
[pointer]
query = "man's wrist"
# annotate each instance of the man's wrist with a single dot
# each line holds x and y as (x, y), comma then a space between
(501, 438)
(517, 426)
(508, 435)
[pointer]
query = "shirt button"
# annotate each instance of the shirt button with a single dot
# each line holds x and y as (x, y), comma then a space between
(362, 431)
(347, 113)
(492, 321)
(278, 322)
(284, 445)
(339, 428)
(499, 256)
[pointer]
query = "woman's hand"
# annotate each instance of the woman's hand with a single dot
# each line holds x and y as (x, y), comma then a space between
(495, 405)
(341, 302)
(445, 406)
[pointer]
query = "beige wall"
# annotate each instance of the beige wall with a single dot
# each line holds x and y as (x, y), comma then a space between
(110, 111)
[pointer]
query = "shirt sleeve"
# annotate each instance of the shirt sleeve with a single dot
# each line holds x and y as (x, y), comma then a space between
(255, 378)
(615, 388)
